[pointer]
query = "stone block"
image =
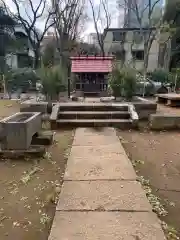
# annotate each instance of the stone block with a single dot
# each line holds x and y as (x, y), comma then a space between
(54, 116)
(103, 94)
(74, 99)
(18, 129)
(164, 122)
(133, 115)
(144, 107)
(79, 93)
(103, 196)
(33, 106)
(106, 226)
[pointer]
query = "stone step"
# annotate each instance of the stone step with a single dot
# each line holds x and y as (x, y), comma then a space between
(93, 107)
(94, 115)
(120, 123)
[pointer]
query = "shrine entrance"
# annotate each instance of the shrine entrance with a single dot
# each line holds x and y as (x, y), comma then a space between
(91, 83)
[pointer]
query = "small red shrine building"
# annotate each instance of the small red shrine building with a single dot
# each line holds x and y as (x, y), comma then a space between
(90, 74)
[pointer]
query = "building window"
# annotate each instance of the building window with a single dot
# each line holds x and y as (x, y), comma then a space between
(138, 55)
(24, 60)
(118, 36)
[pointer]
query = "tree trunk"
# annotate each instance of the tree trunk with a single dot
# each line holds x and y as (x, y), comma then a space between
(36, 59)
(147, 48)
(146, 60)
(102, 49)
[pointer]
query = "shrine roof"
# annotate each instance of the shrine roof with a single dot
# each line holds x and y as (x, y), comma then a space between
(88, 64)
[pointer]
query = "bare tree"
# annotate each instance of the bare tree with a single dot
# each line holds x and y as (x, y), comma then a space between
(149, 24)
(86, 49)
(172, 17)
(68, 25)
(30, 14)
(102, 21)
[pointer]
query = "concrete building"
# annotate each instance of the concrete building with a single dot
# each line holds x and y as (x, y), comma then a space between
(93, 39)
(127, 44)
(23, 54)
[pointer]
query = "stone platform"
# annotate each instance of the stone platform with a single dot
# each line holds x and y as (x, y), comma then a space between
(93, 114)
(100, 197)
(163, 121)
(170, 99)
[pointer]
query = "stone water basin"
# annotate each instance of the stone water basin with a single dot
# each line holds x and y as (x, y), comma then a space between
(17, 130)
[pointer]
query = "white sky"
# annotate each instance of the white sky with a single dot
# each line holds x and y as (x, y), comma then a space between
(90, 26)
(114, 19)
(117, 15)
(113, 12)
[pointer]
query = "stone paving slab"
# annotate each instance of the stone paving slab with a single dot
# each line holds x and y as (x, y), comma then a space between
(97, 150)
(95, 202)
(104, 136)
(89, 167)
(104, 131)
(93, 140)
(103, 195)
(106, 226)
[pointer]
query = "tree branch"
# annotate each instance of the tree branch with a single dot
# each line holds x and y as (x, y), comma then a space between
(101, 16)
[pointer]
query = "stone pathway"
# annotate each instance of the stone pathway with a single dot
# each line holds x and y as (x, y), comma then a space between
(100, 197)
(91, 99)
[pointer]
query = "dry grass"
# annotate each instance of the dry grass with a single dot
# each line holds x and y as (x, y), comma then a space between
(29, 189)
(160, 153)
